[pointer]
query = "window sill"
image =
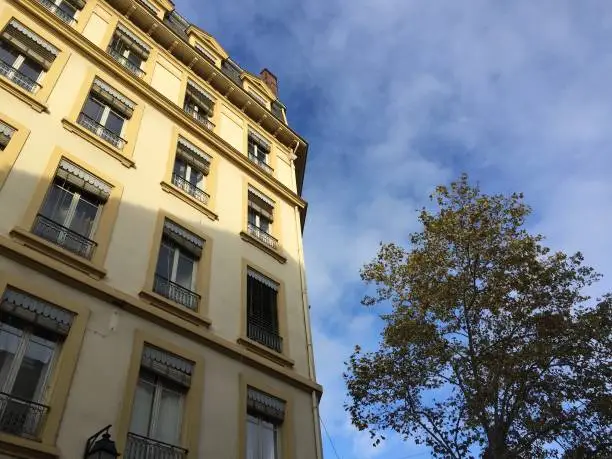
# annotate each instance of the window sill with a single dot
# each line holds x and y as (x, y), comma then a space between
(41, 245)
(260, 245)
(174, 308)
(23, 95)
(98, 142)
(22, 447)
(173, 190)
(265, 352)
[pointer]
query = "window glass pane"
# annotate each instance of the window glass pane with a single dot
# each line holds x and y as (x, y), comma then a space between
(8, 54)
(268, 440)
(84, 217)
(93, 109)
(252, 443)
(142, 408)
(57, 203)
(67, 8)
(31, 69)
(9, 341)
(165, 260)
(196, 177)
(135, 59)
(34, 368)
(264, 224)
(170, 415)
(184, 271)
(114, 123)
(180, 167)
(252, 217)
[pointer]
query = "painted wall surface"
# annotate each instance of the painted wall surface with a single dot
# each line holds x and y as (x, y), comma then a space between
(106, 351)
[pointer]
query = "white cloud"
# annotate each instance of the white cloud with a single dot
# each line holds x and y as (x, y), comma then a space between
(397, 96)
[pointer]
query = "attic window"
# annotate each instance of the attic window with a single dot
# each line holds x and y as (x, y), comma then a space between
(258, 97)
(206, 54)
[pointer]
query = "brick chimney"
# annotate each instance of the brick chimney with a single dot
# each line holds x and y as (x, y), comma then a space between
(270, 80)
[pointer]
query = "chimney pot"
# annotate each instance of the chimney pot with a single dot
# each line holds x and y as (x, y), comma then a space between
(270, 80)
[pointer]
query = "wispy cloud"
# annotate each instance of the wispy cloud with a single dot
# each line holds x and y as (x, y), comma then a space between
(396, 96)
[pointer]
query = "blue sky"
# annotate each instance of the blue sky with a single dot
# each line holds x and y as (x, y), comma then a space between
(396, 96)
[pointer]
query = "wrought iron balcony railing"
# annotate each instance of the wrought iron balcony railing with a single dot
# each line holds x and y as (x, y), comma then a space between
(263, 335)
(176, 292)
(21, 417)
(64, 237)
(101, 131)
(190, 189)
(261, 164)
(19, 78)
(60, 13)
(139, 447)
(262, 236)
(125, 62)
(201, 119)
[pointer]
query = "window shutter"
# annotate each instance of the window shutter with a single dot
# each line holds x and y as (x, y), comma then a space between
(264, 405)
(30, 43)
(83, 179)
(205, 99)
(6, 132)
(132, 41)
(194, 156)
(168, 365)
(113, 98)
(263, 279)
(36, 311)
(184, 238)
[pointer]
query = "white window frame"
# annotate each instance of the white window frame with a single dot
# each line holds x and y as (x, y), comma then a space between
(27, 334)
(188, 170)
(176, 253)
(259, 423)
(105, 114)
(76, 197)
(159, 386)
(19, 62)
(257, 151)
(198, 111)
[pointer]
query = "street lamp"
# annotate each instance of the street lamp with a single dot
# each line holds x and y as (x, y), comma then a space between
(100, 446)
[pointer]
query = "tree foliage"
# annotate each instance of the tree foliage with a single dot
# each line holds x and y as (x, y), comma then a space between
(492, 347)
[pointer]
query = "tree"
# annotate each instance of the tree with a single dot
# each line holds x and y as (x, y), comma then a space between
(491, 347)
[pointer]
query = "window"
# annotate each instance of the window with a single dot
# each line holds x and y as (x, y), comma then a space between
(24, 56)
(157, 412)
(127, 49)
(206, 54)
(265, 416)
(71, 209)
(177, 265)
(199, 105)
(6, 132)
(191, 166)
(66, 10)
(31, 334)
(260, 218)
(262, 310)
(105, 113)
(259, 151)
(258, 97)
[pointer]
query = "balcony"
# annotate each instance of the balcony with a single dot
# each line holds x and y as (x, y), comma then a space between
(261, 164)
(21, 417)
(262, 236)
(190, 189)
(263, 335)
(176, 292)
(19, 78)
(125, 62)
(139, 447)
(63, 237)
(200, 119)
(101, 131)
(64, 16)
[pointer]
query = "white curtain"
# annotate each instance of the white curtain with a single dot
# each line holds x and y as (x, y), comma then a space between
(143, 405)
(169, 418)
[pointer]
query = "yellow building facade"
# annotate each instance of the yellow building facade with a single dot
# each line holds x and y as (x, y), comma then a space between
(151, 260)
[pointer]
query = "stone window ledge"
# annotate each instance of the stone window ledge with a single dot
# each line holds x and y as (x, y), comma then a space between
(266, 352)
(175, 308)
(260, 245)
(175, 191)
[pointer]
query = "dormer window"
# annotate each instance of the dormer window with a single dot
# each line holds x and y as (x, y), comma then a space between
(206, 54)
(127, 49)
(199, 105)
(258, 97)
